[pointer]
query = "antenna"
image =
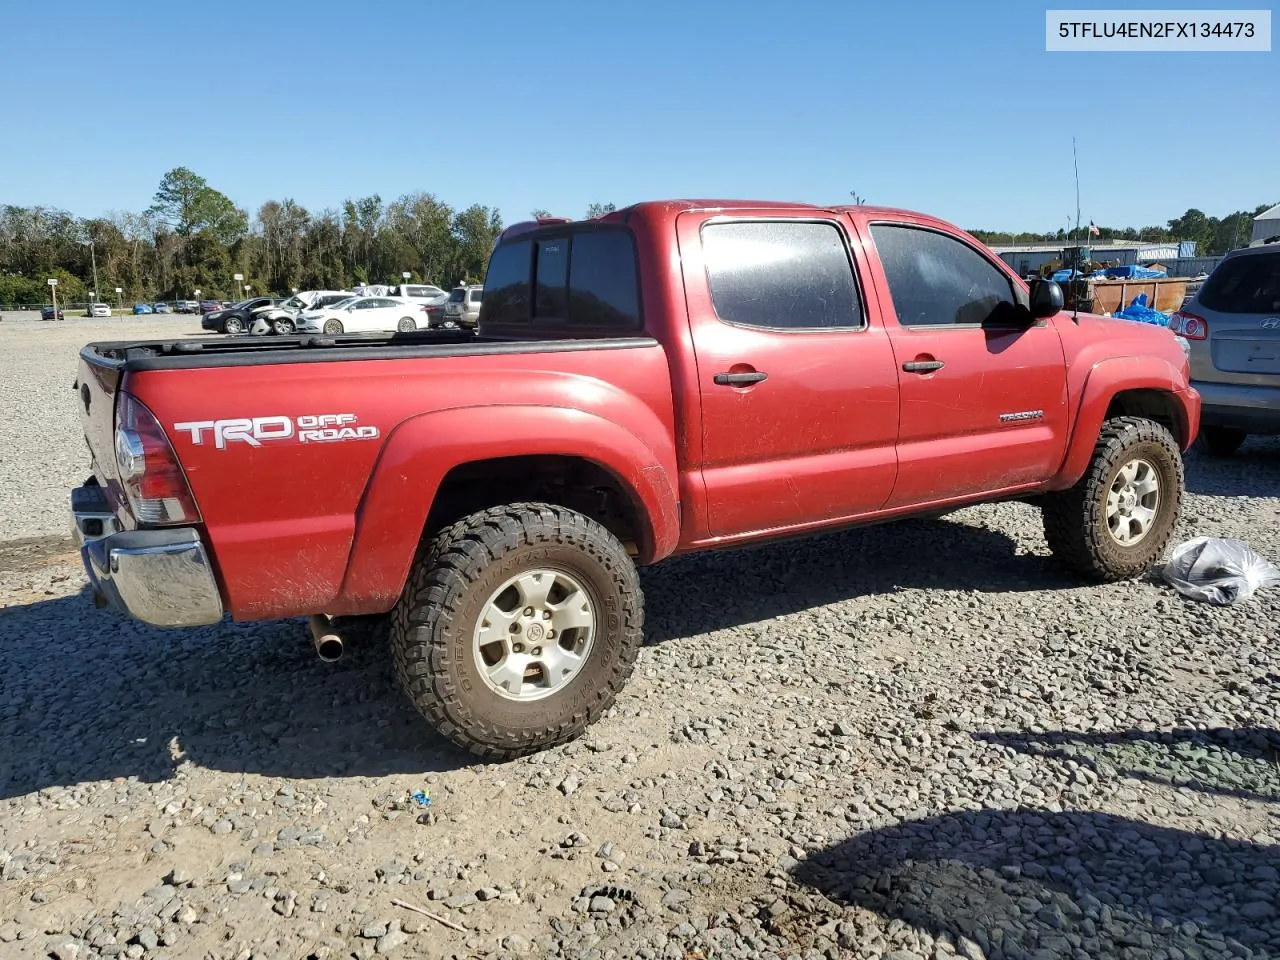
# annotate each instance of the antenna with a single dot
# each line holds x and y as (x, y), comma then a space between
(1075, 301)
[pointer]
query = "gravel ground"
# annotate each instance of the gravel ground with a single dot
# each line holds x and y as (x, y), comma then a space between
(44, 451)
(915, 741)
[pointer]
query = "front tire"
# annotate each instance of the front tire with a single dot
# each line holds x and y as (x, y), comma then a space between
(1220, 441)
(332, 327)
(233, 325)
(1115, 523)
(517, 629)
(282, 327)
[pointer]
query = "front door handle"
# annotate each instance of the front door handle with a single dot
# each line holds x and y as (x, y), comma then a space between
(922, 366)
(740, 379)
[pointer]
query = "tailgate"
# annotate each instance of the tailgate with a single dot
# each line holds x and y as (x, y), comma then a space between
(97, 383)
(1255, 351)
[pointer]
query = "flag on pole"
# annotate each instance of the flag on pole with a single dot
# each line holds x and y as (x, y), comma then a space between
(1094, 231)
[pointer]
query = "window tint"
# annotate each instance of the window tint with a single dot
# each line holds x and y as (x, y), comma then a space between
(602, 280)
(507, 281)
(581, 279)
(781, 274)
(937, 280)
(1245, 284)
(550, 299)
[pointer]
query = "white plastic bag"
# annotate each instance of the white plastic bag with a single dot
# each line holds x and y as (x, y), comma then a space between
(1218, 571)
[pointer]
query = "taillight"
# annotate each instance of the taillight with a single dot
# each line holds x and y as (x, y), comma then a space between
(149, 471)
(1189, 325)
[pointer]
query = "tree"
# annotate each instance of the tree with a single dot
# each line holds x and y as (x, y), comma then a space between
(186, 204)
(475, 230)
(599, 210)
(539, 214)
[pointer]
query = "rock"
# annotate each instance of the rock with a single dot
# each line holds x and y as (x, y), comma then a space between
(514, 943)
(63, 949)
(1257, 910)
(460, 900)
(373, 931)
(569, 785)
(179, 877)
(488, 893)
(601, 904)
(390, 941)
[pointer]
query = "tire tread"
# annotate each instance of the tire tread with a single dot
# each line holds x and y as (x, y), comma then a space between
(1069, 528)
(454, 559)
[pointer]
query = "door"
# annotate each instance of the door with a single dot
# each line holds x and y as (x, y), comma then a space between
(799, 392)
(984, 393)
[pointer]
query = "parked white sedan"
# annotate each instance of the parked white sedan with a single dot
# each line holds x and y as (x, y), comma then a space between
(364, 315)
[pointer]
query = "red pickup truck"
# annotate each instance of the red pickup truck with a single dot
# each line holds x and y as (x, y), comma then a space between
(672, 377)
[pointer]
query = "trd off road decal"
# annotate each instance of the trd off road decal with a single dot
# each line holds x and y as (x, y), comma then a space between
(320, 428)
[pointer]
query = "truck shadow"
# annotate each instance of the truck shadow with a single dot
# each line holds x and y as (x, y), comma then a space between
(688, 595)
(1036, 883)
(88, 695)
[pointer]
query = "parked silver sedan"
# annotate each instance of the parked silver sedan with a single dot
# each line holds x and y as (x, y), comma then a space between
(1232, 325)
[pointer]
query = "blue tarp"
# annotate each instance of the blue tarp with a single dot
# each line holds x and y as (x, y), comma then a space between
(1140, 312)
(1132, 272)
(1062, 276)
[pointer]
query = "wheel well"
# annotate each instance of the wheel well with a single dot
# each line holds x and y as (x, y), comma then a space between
(578, 484)
(1154, 405)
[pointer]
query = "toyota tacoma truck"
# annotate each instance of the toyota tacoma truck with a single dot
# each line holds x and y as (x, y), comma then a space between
(672, 377)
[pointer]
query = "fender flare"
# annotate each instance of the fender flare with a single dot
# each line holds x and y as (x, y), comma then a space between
(421, 451)
(1105, 380)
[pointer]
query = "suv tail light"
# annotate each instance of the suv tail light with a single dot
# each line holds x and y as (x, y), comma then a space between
(150, 474)
(1189, 325)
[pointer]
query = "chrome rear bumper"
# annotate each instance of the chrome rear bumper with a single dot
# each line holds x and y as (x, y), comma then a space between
(161, 577)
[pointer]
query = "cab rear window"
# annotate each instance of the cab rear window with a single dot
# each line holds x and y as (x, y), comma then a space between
(569, 281)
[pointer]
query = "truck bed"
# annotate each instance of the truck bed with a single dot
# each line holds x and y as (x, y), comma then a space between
(140, 355)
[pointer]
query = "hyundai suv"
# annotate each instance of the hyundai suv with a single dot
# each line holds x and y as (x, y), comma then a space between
(1232, 326)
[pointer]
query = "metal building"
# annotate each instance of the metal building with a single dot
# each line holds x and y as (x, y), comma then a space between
(1267, 224)
(1029, 258)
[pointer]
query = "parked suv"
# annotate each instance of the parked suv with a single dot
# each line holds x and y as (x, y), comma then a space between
(463, 305)
(1232, 325)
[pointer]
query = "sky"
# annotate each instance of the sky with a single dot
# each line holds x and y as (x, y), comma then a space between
(951, 108)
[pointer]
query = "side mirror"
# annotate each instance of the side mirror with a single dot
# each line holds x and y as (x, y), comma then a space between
(1046, 298)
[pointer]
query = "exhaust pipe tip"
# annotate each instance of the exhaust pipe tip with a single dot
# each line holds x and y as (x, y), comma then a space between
(329, 646)
(329, 649)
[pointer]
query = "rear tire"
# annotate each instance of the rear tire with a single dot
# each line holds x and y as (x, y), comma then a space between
(332, 327)
(406, 325)
(1115, 523)
(478, 634)
(1220, 441)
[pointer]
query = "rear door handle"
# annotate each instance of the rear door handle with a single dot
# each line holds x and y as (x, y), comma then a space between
(740, 379)
(922, 366)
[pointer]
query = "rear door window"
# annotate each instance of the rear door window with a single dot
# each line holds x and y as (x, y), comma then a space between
(781, 275)
(1249, 283)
